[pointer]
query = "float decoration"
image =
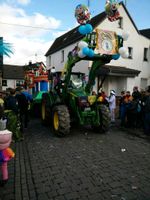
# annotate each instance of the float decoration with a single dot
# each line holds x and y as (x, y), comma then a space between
(82, 14)
(105, 42)
(111, 9)
(37, 73)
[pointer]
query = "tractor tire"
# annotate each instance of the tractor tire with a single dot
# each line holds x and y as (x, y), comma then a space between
(45, 110)
(61, 120)
(43, 113)
(105, 120)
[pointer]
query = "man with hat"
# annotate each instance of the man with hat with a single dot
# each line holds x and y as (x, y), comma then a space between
(112, 105)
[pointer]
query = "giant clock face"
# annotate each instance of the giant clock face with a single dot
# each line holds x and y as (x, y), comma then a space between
(107, 45)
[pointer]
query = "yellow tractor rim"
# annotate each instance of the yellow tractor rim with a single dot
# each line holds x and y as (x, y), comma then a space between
(43, 111)
(56, 121)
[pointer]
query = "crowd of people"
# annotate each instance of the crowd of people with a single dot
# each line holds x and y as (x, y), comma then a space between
(134, 108)
(14, 108)
(13, 120)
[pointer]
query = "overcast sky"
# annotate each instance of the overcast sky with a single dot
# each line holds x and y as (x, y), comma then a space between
(32, 25)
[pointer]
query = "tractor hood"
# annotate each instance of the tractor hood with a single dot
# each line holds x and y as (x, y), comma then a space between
(78, 92)
(81, 95)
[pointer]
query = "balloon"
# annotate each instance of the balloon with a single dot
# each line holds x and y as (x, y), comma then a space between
(82, 14)
(125, 35)
(85, 29)
(125, 55)
(82, 30)
(80, 54)
(115, 56)
(82, 44)
(91, 53)
(111, 9)
(89, 28)
(85, 51)
(122, 50)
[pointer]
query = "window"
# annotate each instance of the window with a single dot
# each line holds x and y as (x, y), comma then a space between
(62, 56)
(120, 22)
(144, 83)
(130, 50)
(145, 58)
(49, 61)
(4, 82)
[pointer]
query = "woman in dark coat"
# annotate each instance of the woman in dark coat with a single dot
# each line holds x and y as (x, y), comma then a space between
(11, 112)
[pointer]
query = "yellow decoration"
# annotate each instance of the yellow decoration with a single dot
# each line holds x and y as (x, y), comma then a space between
(91, 99)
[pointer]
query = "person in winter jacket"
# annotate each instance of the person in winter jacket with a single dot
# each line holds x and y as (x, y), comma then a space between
(146, 105)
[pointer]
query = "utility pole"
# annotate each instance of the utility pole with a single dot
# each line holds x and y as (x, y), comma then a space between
(88, 3)
(1, 63)
(35, 57)
(125, 2)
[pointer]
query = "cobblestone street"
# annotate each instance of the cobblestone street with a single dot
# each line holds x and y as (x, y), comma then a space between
(83, 165)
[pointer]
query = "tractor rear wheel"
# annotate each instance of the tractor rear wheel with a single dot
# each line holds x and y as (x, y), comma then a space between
(43, 112)
(105, 118)
(61, 120)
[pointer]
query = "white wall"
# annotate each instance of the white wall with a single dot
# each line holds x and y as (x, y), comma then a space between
(81, 66)
(10, 84)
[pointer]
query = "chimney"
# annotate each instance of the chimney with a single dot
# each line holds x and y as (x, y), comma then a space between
(30, 63)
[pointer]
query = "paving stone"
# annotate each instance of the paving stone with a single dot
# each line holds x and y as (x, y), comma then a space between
(92, 167)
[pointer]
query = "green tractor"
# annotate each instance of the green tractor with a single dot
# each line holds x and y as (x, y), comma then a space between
(70, 98)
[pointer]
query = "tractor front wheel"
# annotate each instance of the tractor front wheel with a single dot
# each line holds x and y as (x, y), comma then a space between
(45, 109)
(61, 120)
